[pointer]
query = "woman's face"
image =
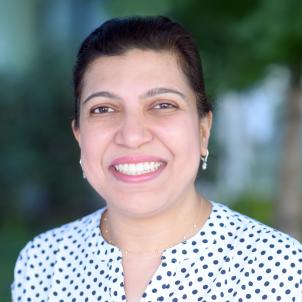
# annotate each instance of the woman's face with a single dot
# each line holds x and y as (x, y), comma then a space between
(140, 134)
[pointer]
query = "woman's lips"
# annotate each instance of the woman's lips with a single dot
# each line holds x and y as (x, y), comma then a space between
(137, 169)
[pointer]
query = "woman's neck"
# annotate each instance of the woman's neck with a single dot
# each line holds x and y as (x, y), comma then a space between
(158, 232)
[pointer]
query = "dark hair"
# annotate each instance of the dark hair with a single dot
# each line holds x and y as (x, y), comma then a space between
(117, 36)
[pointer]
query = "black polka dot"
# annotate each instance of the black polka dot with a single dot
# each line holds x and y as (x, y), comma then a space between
(232, 258)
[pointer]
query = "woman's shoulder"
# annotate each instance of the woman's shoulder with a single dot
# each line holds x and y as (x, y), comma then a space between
(68, 236)
(249, 231)
(79, 228)
(37, 260)
(252, 238)
(259, 257)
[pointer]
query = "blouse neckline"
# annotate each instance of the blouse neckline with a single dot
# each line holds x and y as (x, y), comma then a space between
(182, 249)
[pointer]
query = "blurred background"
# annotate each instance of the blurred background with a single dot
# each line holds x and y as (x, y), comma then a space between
(252, 57)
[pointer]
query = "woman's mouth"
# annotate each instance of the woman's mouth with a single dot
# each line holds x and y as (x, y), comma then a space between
(138, 168)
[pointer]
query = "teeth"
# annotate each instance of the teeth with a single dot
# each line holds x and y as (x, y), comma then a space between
(138, 169)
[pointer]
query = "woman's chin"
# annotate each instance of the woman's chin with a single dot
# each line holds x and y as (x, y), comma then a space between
(138, 208)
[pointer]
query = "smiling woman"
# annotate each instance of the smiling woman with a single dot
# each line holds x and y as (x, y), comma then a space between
(140, 117)
(142, 122)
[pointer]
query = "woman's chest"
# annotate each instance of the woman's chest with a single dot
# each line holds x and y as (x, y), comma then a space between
(191, 279)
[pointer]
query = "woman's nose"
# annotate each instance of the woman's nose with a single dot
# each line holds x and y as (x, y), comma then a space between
(133, 132)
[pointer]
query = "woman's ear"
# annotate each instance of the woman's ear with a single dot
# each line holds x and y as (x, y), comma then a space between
(76, 132)
(205, 125)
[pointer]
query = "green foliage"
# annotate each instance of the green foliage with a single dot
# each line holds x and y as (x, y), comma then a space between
(239, 40)
(121, 8)
(38, 152)
(255, 206)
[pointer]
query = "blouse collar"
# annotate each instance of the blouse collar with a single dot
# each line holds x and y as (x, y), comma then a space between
(203, 239)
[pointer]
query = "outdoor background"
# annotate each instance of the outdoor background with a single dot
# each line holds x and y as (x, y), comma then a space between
(252, 56)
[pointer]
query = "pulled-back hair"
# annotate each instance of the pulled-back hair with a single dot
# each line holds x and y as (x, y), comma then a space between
(117, 36)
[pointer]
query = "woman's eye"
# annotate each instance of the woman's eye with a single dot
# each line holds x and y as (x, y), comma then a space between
(102, 109)
(164, 106)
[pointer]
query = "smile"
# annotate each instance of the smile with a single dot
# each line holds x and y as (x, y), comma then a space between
(138, 168)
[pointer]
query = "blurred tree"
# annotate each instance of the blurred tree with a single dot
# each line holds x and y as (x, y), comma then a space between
(38, 152)
(239, 41)
(121, 8)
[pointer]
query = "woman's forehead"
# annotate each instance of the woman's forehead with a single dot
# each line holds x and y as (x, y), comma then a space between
(138, 70)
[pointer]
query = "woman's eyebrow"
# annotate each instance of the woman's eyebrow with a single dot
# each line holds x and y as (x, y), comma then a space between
(150, 93)
(161, 90)
(105, 94)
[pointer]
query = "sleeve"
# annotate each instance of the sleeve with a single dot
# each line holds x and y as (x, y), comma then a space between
(36, 264)
(286, 269)
(19, 285)
(34, 269)
(296, 267)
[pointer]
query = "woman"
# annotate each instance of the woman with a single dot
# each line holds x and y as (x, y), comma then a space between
(142, 121)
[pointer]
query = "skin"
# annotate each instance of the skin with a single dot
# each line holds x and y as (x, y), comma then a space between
(140, 104)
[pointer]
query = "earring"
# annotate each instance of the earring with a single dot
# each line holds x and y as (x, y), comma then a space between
(84, 176)
(205, 161)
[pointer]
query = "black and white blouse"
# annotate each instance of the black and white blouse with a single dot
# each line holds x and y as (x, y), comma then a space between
(231, 258)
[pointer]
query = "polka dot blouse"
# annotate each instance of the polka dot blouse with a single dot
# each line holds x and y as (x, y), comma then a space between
(231, 258)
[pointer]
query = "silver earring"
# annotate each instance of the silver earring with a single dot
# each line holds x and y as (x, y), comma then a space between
(84, 176)
(205, 161)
